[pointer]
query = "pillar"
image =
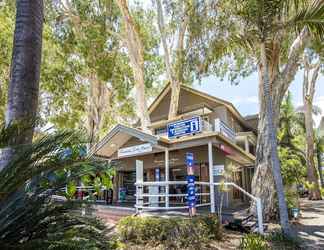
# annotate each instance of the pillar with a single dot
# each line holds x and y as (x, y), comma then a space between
(247, 145)
(211, 177)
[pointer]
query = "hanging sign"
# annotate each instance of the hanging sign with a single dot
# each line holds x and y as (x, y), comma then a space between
(135, 150)
(184, 127)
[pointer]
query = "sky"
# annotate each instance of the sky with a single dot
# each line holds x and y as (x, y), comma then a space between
(244, 96)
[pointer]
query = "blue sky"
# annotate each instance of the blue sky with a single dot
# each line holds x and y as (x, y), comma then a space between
(245, 95)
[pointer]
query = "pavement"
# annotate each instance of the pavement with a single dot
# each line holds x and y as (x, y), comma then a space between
(310, 227)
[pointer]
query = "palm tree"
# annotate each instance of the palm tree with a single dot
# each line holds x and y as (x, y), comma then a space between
(25, 71)
(29, 216)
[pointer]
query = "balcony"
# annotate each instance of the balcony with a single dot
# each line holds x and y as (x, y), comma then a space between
(219, 126)
(222, 128)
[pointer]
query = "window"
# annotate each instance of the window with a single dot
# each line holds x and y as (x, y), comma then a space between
(160, 131)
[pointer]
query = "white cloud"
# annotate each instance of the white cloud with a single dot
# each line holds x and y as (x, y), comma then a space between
(245, 100)
(319, 101)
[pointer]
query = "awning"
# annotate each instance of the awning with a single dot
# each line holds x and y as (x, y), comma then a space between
(117, 137)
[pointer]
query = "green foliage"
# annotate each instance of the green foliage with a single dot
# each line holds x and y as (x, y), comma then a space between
(254, 242)
(291, 140)
(171, 233)
(30, 218)
(275, 240)
(279, 241)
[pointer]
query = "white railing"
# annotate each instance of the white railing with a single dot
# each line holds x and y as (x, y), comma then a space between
(256, 199)
(221, 127)
(140, 205)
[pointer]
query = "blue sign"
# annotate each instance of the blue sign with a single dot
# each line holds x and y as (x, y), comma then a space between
(189, 159)
(184, 127)
(157, 174)
(191, 191)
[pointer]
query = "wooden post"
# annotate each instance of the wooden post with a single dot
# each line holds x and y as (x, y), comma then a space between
(211, 177)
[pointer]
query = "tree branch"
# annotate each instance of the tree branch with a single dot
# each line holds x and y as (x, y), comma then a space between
(289, 71)
(163, 38)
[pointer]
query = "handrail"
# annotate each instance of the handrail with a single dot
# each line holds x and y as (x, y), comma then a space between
(164, 183)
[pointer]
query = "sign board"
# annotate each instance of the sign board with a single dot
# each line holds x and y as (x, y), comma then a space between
(135, 150)
(184, 127)
(189, 159)
(191, 191)
(218, 170)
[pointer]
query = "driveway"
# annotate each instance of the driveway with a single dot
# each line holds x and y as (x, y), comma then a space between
(310, 228)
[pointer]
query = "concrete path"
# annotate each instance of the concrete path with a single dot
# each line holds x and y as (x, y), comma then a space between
(310, 228)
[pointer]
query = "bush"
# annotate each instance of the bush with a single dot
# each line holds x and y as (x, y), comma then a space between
(254, 242)
(279, 241)
(172, 233)
(275, 240)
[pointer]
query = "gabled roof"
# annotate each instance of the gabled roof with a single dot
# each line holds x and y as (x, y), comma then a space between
(119, 135)
(214, 99)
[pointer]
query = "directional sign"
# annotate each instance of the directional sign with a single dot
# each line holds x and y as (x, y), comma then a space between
(184, 127)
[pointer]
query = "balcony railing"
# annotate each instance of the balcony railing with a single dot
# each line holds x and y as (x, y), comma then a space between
(219, 126)
(223, 129)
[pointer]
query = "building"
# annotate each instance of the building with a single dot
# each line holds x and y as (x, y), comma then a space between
(151, 168)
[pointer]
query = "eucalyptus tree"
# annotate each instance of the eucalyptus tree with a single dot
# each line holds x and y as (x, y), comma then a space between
(25, 66)
(267, 36)
(91, 34)
(311, 72)
(175, 30)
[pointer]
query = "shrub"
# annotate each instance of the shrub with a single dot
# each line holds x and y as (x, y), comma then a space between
(254, 242)
(172, 233)
(279, 241)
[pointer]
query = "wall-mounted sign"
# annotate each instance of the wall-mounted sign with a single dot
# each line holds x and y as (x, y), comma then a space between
(184, 127)
(218, 170)
(135, 150)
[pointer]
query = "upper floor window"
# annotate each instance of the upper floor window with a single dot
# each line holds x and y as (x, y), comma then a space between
(161, 130)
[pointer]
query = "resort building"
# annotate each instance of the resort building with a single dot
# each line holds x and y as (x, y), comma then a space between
(151, 167)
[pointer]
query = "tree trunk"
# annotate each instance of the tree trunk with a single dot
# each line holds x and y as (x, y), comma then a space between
(136, 55)
(175, 73)
(319, 164)
(25, 71)
(98, 102)
(263, 180)
(308, 95)
(268, 150)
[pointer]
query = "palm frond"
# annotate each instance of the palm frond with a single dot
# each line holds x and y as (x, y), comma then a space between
(311, 16)
(29, 216)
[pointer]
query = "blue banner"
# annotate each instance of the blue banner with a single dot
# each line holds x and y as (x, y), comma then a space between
(191, 191)
(184, 127)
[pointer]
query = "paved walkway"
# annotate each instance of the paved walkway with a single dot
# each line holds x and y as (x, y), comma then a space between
(310, 227)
